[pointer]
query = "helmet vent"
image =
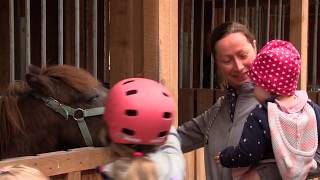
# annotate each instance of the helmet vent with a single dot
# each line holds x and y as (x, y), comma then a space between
(165, 94)
(166, 115)
(128, 81)
(131, 112)
(131, 92)
(128, 131)
(163, 133)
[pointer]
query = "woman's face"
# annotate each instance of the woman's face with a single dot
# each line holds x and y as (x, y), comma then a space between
(234, 56)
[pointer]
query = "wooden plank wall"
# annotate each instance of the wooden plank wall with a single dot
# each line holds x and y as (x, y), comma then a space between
(4, 44)
(75, 164)
(144, 41)
(191, 103)
(160, 40)
(299, 35)
(85, 42)
(186, 112)
(126, 43)
(204, 99)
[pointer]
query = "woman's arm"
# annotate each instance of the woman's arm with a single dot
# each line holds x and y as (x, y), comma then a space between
(192, 132)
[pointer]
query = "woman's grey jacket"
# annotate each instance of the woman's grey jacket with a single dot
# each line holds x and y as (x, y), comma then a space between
(214, 130)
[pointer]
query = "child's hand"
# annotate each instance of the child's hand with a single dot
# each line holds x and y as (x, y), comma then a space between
(217, 158)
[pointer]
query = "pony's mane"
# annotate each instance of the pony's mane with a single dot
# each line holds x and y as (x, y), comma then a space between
(11, 119)
(78, 79)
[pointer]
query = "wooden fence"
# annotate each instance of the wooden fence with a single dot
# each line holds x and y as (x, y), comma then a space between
(81, 163)
(74, 164)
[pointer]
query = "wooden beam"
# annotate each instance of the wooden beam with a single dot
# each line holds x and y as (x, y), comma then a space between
(106, 35)
(204, 99)
(168, 42)
(160, 52)
(121, 51)
(151, 39)
(62, 162)
(160, 20)
(186, 109)
(69, 32)
(4, 45)
(126, 44)
(190, 165)
(200, 164)
(144, 37)
(74, 176)
(299, 35)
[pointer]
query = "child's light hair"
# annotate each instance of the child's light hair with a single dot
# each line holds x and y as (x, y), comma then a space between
(21, 172)
(128, 167)
(135, 168)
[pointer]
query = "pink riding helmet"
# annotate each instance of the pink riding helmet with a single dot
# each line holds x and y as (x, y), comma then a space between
(277, 68)
(139, 111)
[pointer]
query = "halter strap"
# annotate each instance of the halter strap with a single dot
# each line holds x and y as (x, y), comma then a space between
(78, 114)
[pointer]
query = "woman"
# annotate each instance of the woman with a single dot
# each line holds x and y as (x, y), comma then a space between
(234, 50)
(286, 117)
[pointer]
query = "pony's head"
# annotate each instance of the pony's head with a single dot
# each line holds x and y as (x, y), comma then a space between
(56, 108)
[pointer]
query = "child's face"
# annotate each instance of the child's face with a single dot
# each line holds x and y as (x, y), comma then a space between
(260, 94)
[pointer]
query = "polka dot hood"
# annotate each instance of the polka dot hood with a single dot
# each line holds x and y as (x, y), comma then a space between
(277, 68)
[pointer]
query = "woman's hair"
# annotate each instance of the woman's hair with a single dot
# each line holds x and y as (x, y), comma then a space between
(227, 28)
(21, 172)
(222, 31)
(130, 167)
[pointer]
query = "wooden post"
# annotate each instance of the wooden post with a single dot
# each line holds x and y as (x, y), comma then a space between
(144, 41)
(156, 43)
(191, 163)
(299, 35)
(69, 33)
(74, 176)
(121, 31)
(160, 25)
(204, 99)
(126, 41)
(4, 44)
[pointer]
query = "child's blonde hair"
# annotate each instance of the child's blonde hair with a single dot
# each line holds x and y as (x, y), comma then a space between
(130, 167)
(21, 172)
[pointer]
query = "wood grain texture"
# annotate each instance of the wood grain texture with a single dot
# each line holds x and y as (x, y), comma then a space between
(299, 12)
(64, 162)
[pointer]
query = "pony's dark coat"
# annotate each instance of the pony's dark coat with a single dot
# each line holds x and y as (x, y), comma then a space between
(28, 126)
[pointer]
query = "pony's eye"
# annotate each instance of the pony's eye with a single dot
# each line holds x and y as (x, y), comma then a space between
(93, 98)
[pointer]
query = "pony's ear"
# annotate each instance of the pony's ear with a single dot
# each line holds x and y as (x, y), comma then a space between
(40, 84)
(34, 69)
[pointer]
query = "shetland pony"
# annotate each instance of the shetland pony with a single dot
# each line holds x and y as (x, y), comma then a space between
(56, 108)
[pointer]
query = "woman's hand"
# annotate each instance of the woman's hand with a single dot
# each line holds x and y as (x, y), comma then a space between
(217, 158)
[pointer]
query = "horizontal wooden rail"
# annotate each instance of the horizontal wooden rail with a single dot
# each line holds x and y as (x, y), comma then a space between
(64, 162)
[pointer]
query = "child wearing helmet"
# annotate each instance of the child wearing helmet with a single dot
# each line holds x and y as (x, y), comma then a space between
(139, 116)
(284, 126)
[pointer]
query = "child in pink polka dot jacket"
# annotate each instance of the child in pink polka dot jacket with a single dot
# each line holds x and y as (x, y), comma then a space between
(284, 126)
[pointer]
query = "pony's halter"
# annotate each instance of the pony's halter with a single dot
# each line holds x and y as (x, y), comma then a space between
(78, 115)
